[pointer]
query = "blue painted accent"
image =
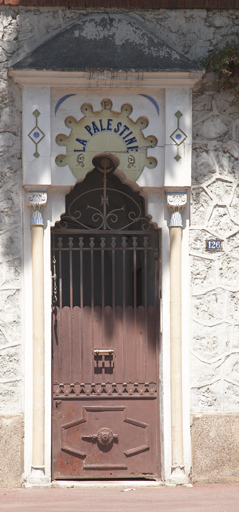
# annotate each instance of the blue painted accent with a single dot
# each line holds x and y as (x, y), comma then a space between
(131, 141)
(152, 101)
(88, 128)
(117, 129)
(178, 137)
(36, 135)
(176, 219)
(37, 218)
(60, 101)
(127, 135)
(101, 126)
(83, 142)
(95, 127)
(109, 123)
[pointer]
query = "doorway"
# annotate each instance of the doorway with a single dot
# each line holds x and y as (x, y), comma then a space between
(105, 304)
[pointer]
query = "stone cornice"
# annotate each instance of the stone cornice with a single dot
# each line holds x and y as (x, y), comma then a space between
(86, 79)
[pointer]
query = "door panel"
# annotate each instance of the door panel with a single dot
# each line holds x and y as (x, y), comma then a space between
(114, 393)
(124, 350)
(109, 438)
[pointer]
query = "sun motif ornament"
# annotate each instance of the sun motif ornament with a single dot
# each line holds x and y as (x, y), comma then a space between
(106, 131)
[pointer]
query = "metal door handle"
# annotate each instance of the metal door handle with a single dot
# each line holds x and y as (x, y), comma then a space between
(103, 351)
(103, 437)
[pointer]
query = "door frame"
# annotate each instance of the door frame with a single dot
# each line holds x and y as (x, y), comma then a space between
(52, 212)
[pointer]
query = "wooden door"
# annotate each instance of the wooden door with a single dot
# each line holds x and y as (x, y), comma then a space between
(105, 334)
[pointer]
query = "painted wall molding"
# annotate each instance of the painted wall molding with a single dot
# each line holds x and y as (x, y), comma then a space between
(104, 79)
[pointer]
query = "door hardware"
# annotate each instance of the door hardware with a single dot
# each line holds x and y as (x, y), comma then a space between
(103, 351)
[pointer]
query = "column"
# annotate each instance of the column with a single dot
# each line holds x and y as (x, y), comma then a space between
(176, 202)
(36, 201)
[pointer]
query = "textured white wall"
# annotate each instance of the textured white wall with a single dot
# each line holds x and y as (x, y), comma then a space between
(215, 276)
(214, 212)
(10, 231)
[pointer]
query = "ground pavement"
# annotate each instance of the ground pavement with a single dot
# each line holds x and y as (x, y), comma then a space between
(126, 498)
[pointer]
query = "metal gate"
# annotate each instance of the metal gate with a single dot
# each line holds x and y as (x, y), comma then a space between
(105, 332)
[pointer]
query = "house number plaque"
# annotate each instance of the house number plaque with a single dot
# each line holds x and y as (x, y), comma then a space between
(214, 245)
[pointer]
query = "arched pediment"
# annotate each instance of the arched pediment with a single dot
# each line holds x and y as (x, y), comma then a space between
(105, 41)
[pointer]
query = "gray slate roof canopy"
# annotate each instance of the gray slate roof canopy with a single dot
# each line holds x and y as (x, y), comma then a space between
(105, 42)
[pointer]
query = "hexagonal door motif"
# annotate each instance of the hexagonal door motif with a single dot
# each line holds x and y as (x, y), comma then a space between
(103, 440)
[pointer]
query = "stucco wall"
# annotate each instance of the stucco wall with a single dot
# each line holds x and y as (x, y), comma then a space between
(215, 281)
(214, 210)
(215, 277)
(10, 232)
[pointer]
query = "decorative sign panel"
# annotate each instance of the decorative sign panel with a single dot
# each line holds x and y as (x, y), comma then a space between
(148, 129)
(106, 131)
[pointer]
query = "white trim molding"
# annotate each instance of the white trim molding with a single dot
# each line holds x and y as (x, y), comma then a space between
(104, 79)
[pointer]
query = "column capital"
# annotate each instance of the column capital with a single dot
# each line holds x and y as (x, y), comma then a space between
(36, 199)
(176, 201)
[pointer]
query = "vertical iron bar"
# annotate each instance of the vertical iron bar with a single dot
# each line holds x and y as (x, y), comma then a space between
(156, 268)
(113, 245)
(81, 245)
(92, 245)
(156, 288)
(54, 278)
(135, 243)
(70, 245)
(59, 245)
(105, 202)
(124, 244)
(54, 274)
(145, 244)
(60, 271)
(102, 245)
